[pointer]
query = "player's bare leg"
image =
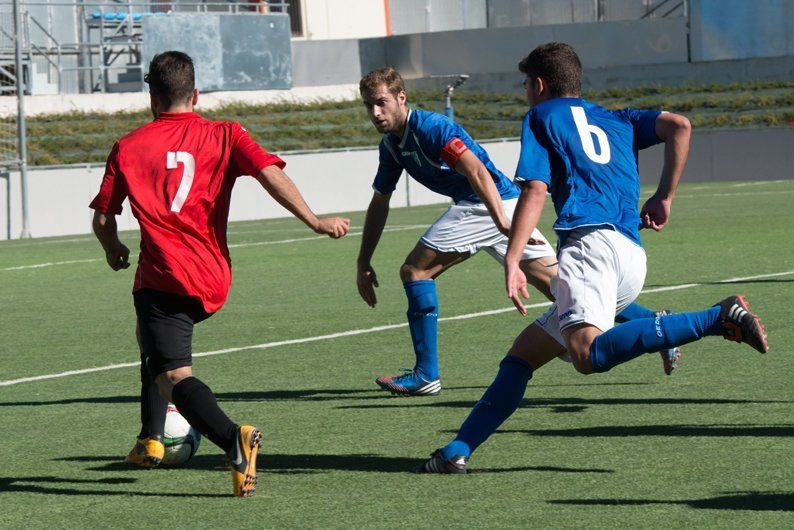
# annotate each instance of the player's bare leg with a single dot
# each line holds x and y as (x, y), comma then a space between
(197, 404)
(532, 349)
(578, 340)
(418, 273)
(539, 273)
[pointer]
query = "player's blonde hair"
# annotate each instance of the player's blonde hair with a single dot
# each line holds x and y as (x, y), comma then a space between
(382, 76)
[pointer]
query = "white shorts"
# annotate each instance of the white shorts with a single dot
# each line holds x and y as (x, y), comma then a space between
(600, 273)
(467, 227)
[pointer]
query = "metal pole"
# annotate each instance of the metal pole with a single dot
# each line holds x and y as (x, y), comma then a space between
(4, 174)
(21, 132)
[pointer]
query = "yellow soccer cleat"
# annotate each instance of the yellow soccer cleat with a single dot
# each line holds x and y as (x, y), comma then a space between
(242, 460)
(147, 453)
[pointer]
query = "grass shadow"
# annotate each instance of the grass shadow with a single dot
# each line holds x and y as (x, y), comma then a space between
(746, 500)
(298, 464)
(44, 485)
(728, 431)
(565, 404)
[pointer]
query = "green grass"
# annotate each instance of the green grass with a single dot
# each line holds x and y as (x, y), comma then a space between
(709, 446)
(83, 138)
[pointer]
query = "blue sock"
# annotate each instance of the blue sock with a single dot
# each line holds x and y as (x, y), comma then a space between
(626, 341)
(634, 311)
(497, 404)
(423, 323)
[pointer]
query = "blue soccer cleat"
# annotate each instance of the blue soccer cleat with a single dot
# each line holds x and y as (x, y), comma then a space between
(436, 464)
(670, 357)
(409, 384)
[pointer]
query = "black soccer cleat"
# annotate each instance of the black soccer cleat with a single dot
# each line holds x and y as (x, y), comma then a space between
(437, 464)
(741, 325)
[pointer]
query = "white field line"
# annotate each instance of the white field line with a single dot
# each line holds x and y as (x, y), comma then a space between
(237, 245)
(50, 264)
(353, 332)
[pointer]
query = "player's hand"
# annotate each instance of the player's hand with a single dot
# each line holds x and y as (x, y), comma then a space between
(333, 227)
(504, 227)
(118, 257)
(516, 284)
(367, 281)
(655, 213)
(535, 241)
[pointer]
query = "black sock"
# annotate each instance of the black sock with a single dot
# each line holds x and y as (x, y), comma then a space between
(153, 405)
(197, 404)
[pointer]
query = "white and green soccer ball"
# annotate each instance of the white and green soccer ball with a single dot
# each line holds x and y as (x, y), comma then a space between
(180, 439)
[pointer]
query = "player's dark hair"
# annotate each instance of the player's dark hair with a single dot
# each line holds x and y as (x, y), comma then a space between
(558, 65)
(171, 76)
(382, 76)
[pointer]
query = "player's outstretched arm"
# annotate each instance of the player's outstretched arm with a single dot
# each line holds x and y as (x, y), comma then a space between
(106, 230)
(480, 179)
(374, 222)
(674, 130)
(525, 220)
(281, 188)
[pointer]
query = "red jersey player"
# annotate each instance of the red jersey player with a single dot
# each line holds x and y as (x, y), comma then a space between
(178, 172)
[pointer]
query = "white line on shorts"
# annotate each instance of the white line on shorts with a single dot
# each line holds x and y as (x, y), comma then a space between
(237, 245)
(353, 332)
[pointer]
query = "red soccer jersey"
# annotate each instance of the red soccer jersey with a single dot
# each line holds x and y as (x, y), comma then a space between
(178, 172)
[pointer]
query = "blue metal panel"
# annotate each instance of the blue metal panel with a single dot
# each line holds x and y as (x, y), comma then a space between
(738, 29)
(230, 52)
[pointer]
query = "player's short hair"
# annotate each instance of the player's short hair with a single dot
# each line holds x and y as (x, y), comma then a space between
(382, 76)
(171, 76)
(558, 65)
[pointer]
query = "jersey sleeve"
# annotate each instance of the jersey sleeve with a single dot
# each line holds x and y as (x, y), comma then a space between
(113, 189)
(247, 155)
(389, 171)
(534, 162)
(644, 124)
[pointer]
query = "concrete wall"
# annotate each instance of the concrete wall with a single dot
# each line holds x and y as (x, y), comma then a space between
(344, 19)
(485, 51)
(341, 181)
(491, 56)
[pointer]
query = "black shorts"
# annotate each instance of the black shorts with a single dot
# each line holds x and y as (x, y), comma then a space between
(165, 324)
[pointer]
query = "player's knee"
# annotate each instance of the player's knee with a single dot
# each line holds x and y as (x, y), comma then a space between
(410, 273)
(580, 358)
(582, 365)
(173, 377)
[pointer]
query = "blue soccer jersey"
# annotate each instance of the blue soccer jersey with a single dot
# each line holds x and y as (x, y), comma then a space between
(425, 152)
(587, 155)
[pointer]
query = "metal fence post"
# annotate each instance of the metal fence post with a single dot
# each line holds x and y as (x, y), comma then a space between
(4, 174)
(21, 132)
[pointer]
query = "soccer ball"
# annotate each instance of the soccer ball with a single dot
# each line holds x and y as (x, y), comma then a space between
(180, 439)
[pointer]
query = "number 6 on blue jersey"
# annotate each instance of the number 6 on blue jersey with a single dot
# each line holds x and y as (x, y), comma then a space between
(586, 132)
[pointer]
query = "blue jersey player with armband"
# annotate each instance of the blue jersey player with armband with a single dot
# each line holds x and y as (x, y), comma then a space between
(586, 156)
(441, 155)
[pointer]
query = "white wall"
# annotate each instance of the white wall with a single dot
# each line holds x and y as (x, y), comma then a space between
(330, 182)
(341, 181)
(344, 19)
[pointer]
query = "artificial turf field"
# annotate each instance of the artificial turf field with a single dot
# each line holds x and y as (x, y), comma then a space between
(709, 446)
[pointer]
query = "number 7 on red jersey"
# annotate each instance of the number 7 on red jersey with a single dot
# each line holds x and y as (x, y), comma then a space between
(189, 163)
